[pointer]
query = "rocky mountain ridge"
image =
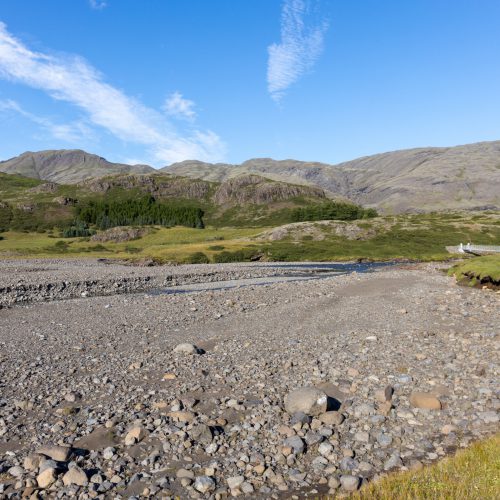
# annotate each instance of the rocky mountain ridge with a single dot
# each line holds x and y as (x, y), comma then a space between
(66, 166)
(413, 180)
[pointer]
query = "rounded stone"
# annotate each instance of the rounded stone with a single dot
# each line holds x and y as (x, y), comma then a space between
(186, 348)
(349, 483)
(204, 484)
(308, 400)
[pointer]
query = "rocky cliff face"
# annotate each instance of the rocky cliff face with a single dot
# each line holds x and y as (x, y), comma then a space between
(252, 189)
(161, 186)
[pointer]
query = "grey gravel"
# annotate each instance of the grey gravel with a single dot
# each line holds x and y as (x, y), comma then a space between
(98, 376)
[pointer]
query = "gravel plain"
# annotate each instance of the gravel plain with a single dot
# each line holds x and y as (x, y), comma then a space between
(283, 390)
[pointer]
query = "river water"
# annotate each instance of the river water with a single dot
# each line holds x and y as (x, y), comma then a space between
(286, 272)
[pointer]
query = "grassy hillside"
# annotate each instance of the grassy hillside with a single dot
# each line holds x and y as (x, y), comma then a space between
(33, 205)
(418, 237)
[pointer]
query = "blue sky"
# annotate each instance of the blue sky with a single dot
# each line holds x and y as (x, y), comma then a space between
(159, 81)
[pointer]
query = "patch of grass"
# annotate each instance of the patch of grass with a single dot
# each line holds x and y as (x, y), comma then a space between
(479, 269)
(165, 244)
(473, 473)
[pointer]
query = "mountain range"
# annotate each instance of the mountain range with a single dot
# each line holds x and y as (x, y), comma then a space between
(412, 180)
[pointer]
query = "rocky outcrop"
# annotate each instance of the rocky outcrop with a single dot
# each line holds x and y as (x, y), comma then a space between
(319, 230)
(160, 186)
(252, 189)
(120, 234)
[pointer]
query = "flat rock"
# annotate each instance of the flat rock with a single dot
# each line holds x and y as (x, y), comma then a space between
(425, 401)
(56, 452)
(331, 418)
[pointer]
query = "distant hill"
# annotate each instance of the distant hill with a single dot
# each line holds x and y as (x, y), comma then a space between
(413, 180)
(66, 166)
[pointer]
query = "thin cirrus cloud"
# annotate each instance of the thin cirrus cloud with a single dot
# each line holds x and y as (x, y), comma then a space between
(98, 4)
(176, 105)
(71, 79)
(300, 47)
(69, 132)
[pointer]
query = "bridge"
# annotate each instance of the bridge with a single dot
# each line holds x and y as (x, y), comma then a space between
(477, 249)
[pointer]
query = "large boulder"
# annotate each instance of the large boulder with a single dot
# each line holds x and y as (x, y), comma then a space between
(308, 400)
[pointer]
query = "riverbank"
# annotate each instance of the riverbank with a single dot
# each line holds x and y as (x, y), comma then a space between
(479, 272)
(100, 374)
(24, 281)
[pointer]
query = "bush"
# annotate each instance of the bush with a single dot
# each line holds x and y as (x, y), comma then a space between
(77, 230)
(131, 249)
(236, 256)
(197, 258)
(332, 211)
(60, 246)
(216, 247)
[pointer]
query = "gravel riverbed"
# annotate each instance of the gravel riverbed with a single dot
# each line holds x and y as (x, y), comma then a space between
(109, 394)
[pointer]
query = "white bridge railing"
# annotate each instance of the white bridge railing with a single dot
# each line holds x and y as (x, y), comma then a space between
(478, 249)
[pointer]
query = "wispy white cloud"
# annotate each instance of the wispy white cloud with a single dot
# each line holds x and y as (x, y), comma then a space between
(70, 132)
(98, 4)
(176, 105)
(300, 47)
(72, 79)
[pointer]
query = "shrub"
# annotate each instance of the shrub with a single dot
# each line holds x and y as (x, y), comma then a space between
(332, 211)
(236, 256)
(131, 249)
(197, 258)
(61, 246)
(77, 230)
(216, 247)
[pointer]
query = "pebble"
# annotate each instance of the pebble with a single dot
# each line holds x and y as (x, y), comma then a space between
(203, 419)
(204, 484)
(75, 475)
